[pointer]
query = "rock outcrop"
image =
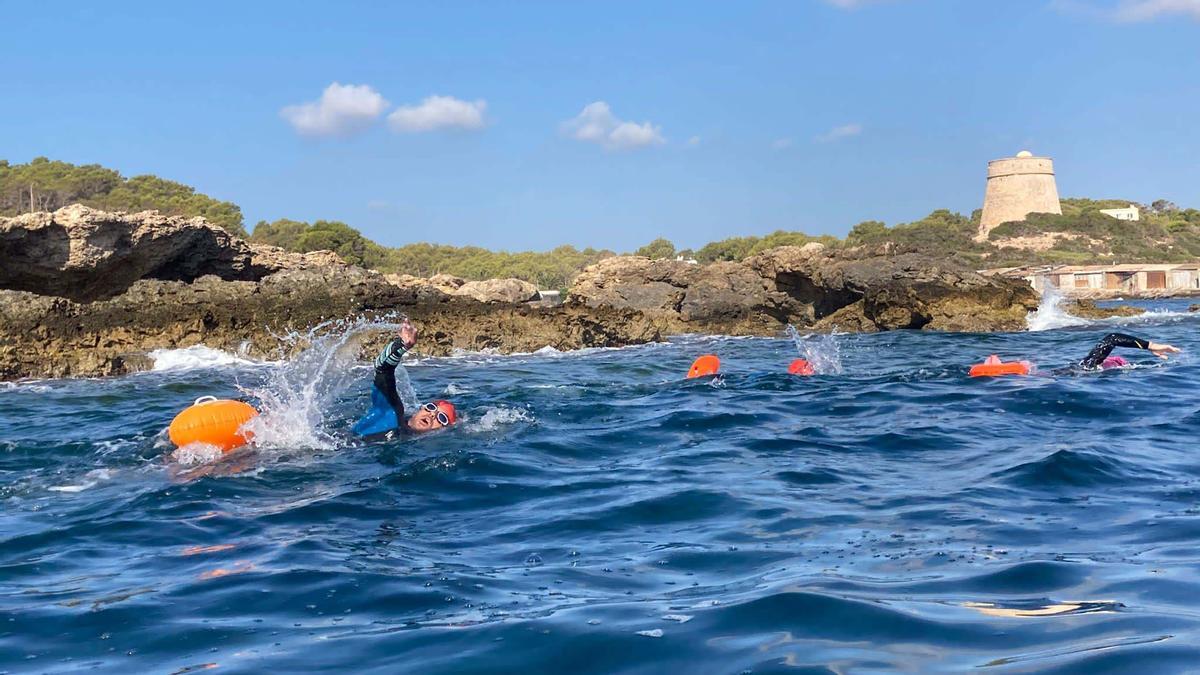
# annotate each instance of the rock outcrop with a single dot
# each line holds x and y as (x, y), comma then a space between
(84, 254)
(1088, 309)
(44, 336)
(507, 291)
(90, 293)
(854, 289)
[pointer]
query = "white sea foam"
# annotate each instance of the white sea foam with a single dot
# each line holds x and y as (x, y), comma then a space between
(494, 418)
(1049, 314)
(90, 480)
(196, 356)
(196, 453)
(32, 386)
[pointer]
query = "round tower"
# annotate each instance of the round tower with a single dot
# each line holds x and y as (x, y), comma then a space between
(1016, 187)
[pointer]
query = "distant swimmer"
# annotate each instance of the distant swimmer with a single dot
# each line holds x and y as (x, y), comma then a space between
(387, 410)
(1099, 357)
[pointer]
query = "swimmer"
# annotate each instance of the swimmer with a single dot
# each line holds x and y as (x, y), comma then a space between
(1099, 357)
(387, 410)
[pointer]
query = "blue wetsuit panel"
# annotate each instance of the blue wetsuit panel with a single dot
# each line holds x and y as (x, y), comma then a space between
(380, 419)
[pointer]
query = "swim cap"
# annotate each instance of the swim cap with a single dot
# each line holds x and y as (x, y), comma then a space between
(801, 367)
(448, 408)
(1113, 362)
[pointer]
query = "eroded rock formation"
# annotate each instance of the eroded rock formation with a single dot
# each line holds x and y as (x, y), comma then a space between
(84, 254)
(854, 289)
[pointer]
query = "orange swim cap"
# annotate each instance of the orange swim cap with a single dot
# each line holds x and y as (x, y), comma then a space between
(448, 408)
(801, 367)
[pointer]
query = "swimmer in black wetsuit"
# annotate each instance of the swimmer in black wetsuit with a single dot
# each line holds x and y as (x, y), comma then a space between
(429, 417)
(1099, 356)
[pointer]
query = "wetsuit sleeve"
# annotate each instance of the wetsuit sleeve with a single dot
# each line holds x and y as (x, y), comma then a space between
(385, 375)
(1107, 344)
(391, 355)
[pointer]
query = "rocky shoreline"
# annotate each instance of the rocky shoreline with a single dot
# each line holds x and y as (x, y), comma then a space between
(90, 293)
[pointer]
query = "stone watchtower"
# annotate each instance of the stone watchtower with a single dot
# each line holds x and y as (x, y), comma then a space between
(1016, 187)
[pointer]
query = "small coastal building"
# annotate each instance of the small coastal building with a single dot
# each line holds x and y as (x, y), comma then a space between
(1110, 280)
(549, 298)
(1130, 213)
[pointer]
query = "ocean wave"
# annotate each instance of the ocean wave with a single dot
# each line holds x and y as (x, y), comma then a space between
(1073, 468)
(195, 357)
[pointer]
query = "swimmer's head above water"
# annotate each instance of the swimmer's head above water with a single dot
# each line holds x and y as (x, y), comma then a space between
(432, 416)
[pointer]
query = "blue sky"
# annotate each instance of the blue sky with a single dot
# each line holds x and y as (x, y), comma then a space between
(532, 124)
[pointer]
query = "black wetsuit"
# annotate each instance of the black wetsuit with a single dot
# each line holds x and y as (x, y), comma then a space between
(1107, 344)
(385, 376)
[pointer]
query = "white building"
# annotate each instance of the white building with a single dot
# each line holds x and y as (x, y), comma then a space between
(1129, 213)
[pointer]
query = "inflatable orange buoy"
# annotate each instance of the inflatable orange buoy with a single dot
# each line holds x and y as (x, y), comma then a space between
(708, 364)
(994, 367)
(212, 421)
(801, 367)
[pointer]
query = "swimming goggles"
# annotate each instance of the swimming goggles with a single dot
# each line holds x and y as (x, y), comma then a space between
(442, 418)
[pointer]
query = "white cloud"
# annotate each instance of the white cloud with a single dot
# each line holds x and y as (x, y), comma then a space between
(782, 143)
(438, 112)
(1129, 11)
(693, 141)
(342, 110)
(1147, 10)
(838, 133)
(597, 124)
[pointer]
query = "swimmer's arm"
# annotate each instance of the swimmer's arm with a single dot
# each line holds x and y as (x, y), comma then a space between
(395, 350)
(1159, 349)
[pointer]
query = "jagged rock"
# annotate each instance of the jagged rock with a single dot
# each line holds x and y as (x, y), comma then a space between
(447, 283)
(859, 289)
(84, 254)
(43, 336)
(1088, 309)
(508, 291)
(420, 287)
(511, 291)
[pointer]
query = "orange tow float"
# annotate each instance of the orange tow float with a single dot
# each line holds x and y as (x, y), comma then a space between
(708, 364)
(994, 367)
(212, 421)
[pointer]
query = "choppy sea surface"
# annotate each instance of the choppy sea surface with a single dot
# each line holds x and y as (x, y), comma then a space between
(595, 512)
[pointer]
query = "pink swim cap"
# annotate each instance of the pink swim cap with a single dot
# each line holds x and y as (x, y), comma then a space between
(1113, 362)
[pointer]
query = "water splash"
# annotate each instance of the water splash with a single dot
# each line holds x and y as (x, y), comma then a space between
(297, 395)
(494, 418)
(822, 351)
(1049, 314)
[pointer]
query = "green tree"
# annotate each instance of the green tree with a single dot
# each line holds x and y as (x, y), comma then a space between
(866, 232)
(46, 185)
(283, 233)
(659, 248)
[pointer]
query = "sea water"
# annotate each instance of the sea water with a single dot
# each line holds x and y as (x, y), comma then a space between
(596, 512)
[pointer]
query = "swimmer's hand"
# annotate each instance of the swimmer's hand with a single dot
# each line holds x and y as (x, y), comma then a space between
(1161, 350)
(408, 334)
